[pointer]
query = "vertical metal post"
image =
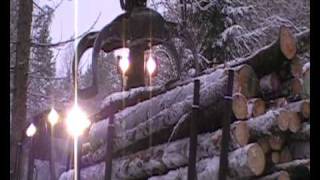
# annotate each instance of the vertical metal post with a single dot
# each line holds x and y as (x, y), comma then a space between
(31, 160)
(192, 174)
(51, 158)
(79, 157)
(223, 167)
(70, 149)
(109, 147)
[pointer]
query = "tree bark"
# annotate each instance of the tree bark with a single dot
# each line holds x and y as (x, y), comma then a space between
(244, 162)
(20, 83)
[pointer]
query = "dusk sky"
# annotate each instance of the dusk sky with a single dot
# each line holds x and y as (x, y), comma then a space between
(62, 27)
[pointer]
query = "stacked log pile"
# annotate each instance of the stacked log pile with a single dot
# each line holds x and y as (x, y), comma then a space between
(270, 130)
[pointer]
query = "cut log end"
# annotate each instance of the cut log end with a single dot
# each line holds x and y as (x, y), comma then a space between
(256, 107)
(285, 155)
(284, 176)
(239, 106)
(283, 120)
(296, 68)
(287, 43)
(264, 144)
(246, 81)
(305, 109)
(275, 157)
(296, 86)
(295, 122)
(256, 159)
(241, 133)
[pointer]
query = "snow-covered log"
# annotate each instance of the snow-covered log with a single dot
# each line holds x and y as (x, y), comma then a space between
(302, 107)
(160, 159)
(271, 57)
(273, 121)
(162, 113)
(244, 162)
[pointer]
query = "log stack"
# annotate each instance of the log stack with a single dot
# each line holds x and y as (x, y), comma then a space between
(270, 130)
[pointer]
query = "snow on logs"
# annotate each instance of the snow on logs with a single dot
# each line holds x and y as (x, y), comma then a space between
(271, 58)
(165, 111)
(160, 159)
(243, 108)
(244, 162)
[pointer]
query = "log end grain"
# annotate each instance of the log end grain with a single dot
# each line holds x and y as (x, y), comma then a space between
(296, 86)
(287, 42)
(295, 122)
(239, 106)
(296, 68)
(264, 144)
(275, 157)
(256, 159)
(246, 81)
(285, 155)
(257, 107)
(241, 133)
(305, 109)
(283, 120)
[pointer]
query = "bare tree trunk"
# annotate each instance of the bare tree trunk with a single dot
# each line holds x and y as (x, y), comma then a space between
(20, 83)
